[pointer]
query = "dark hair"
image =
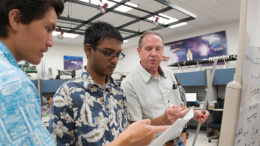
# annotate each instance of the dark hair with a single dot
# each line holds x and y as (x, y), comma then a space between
(147, 33)
(30, 10)
(99, 31)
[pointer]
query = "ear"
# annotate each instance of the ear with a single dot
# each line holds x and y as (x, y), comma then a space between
(15, 17)
(138, 51)
(88, 50)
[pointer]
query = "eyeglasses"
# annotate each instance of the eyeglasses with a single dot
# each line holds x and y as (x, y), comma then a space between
(109, 54)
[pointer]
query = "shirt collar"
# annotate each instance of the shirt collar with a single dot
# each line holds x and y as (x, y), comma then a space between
(146, 75)
(110, 83)
(5, 52)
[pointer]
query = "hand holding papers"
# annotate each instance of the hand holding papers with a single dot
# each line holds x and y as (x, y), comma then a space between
(174, 130)
(174, 112)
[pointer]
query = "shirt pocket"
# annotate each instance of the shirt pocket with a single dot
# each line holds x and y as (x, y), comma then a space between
(172, 93)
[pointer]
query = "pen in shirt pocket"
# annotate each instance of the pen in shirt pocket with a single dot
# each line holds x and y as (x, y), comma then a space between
(174, 86)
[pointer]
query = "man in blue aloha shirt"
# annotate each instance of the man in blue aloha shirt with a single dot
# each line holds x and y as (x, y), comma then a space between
(25, 34)
(91, 109)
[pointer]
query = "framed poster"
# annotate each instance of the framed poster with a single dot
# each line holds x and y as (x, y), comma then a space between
(73, 62)
(196, 48)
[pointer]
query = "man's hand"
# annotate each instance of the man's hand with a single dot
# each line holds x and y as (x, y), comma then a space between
(140, 133)
(201, 115)
(175, 112)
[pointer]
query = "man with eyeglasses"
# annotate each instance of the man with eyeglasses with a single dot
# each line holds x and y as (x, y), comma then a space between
(91, 109)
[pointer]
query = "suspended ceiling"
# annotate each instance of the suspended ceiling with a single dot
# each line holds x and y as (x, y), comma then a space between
(78, 15)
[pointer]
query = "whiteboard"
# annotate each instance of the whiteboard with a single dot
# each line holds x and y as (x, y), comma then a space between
(248, 127)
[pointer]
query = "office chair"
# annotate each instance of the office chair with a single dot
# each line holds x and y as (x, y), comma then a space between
(216, 126)
(216, 123)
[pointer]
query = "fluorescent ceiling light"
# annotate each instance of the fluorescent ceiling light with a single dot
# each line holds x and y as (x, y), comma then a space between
(178, 25)
(121, 8)
(162, 20)
(66, 35)
(95, 2)
(125, 8)
(125, 41)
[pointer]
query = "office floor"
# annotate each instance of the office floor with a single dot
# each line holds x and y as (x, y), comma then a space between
(202, 139)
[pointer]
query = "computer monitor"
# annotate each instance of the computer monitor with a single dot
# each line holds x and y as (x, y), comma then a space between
(191, 97)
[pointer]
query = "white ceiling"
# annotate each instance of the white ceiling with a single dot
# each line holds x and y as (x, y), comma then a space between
(209, 13)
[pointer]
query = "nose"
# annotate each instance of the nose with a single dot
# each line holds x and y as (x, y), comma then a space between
(114, 59)
(50, 41)
(154, 52)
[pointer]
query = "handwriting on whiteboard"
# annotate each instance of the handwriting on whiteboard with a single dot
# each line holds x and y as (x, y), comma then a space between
(247, 134)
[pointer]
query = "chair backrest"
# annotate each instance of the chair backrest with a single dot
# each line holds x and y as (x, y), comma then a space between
(217, 115)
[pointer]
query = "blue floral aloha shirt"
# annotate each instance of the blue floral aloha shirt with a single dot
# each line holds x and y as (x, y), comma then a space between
(83, 113)
(20, 112)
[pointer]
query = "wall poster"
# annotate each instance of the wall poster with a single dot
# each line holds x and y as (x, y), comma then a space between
(196, 48)
(73, 62)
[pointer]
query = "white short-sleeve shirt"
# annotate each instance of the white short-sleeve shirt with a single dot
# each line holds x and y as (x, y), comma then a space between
(147, 96)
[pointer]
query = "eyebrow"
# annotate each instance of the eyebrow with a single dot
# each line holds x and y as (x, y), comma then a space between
(111, 49)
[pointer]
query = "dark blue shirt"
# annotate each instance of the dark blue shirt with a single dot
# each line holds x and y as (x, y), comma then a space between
(83, 113)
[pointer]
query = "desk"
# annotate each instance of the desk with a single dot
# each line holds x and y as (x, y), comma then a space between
(197, 108)
(216, 109)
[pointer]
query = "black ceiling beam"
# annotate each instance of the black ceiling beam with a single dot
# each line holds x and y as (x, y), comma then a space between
(82, 21)
(121, 28)
(82, 3)
(127, 30)
(67, 28)
(70, 19)
(162, 26)
(86, 22)
(142, 10)
(97, 16)
(169, 4)
(145, 17)
(174, 23)
(121, 13)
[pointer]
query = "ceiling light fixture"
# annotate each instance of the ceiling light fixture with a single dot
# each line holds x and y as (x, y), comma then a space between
(121, 8)
(162, 19)
(178, 25)
(66, 35)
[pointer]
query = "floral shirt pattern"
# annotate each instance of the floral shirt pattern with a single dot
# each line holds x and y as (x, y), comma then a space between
(83, 113)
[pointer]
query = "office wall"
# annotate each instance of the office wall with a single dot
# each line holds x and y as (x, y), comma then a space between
(129, 63)
(54, 57)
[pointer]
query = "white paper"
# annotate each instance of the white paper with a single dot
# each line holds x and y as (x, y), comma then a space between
(173, 131)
